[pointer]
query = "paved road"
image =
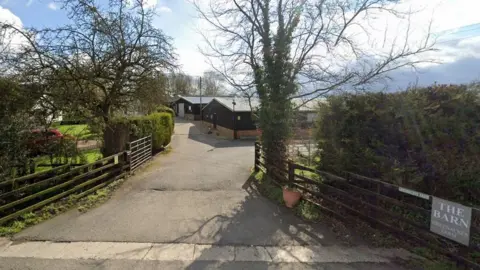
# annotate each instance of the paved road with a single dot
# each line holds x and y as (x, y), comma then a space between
(194, 195)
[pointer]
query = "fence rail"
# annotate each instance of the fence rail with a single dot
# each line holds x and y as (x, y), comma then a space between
(379, 203)
(31, 192)
(28, 193)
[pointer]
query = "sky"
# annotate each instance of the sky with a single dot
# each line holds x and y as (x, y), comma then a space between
(455, 25)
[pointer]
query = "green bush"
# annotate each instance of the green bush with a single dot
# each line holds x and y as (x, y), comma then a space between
(427, 139)
(159, 125)
(163, 108)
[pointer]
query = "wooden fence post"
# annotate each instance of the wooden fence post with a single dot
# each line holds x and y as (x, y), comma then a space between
(127, 156)
(31, 164)
(291, 171)
(257, 157)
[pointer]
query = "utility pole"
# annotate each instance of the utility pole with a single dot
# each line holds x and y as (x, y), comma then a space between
(201, 104)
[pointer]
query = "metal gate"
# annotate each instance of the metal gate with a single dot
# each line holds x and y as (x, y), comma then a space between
(140, 151)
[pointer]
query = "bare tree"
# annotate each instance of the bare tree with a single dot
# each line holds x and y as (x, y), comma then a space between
(279, 50)
(180, 84)
(98, 62)
(212, 83)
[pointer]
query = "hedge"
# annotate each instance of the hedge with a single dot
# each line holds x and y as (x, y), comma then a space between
(427, 139)
(163, 108)
(159, 125)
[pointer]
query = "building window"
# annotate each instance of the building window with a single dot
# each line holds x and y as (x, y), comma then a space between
(238, 117)
(189, 108)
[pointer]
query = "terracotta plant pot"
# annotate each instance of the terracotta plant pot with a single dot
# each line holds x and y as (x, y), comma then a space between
(291, 197)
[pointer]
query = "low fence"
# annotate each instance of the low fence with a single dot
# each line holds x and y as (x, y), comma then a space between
(421, 218)
(31, 192)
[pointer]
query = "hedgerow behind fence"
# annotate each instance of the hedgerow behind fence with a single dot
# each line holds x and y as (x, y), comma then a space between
(427, 139)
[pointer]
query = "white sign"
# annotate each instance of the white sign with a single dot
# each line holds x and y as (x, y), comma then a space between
(414, 193)
(451, 220)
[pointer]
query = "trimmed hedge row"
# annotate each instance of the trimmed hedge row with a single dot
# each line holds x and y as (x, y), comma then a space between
(427, 139)
(163, 108)
(127, 129)
(159, 125)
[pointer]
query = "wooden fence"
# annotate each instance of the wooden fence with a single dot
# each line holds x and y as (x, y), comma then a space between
(379, 203)
(31, 192)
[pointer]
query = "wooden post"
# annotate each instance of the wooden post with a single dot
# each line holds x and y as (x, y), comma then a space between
(291, 171)
(31, 166)
(257, 157)
(127, 156)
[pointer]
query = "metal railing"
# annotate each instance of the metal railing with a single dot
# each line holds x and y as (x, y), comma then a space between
(139, 151)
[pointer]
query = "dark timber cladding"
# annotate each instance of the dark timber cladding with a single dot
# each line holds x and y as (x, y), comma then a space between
(226, 117)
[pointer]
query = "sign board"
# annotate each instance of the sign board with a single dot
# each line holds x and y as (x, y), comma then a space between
(115, 160)
(414, 193)
(451, 220)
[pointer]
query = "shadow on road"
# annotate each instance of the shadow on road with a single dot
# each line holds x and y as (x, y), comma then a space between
(199, 133)
(259, 222)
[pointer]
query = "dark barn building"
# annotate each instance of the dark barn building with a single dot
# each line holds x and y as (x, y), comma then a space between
(237, 121)
(190, 107)
(231, 121)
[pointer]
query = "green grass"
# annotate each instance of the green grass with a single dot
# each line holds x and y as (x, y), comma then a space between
(81, 132)
(87, 156)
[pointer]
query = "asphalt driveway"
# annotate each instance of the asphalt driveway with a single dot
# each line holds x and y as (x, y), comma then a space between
(192, 195)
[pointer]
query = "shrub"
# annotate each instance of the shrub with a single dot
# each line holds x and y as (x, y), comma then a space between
(427, 139)
(163, 108)
(159, 125)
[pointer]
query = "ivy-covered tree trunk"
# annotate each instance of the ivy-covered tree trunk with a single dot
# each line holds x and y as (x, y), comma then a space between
(275, 121)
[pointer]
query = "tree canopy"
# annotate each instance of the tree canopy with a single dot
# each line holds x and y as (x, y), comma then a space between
(101, 61)
(279, 50)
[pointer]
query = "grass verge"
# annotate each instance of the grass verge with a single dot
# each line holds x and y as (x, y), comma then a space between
(51, 210)
(81, 132)
(87, 156)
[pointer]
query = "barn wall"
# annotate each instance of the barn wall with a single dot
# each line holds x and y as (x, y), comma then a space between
(244, 121)
(224, 115)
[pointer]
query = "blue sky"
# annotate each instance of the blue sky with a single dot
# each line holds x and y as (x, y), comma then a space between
(456, 26)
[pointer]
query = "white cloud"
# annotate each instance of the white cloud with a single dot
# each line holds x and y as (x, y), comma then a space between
(7, 16)
(164, 9)
(30, 2)
(9, 39)
(192, 61)
(52, 6)
(384, 30)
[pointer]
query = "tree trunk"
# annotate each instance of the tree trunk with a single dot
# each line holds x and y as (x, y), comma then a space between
(115, 139)
(275, 121)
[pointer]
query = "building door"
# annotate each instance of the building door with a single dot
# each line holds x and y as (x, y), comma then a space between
(181, 109)
(214, 121)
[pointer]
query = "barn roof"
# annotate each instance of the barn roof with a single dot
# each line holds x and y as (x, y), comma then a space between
(196, 99)
(243, 105)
